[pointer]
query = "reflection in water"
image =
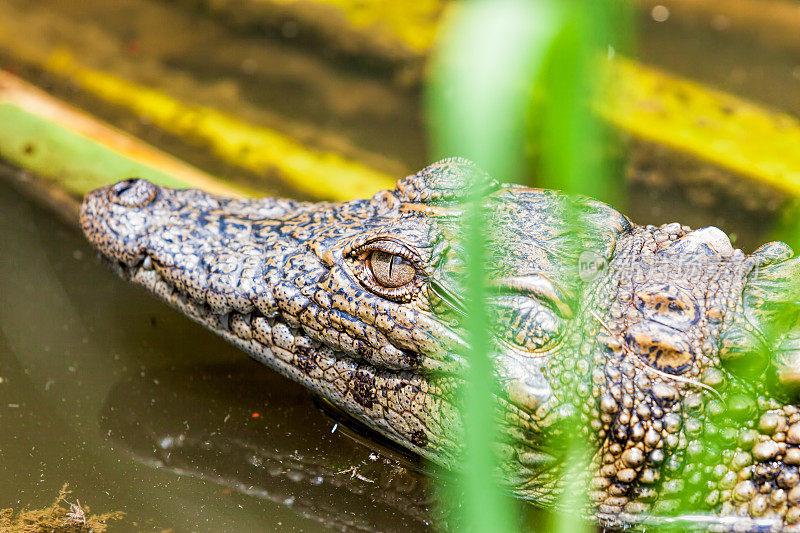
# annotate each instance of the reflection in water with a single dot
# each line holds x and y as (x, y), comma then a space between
(193, 423)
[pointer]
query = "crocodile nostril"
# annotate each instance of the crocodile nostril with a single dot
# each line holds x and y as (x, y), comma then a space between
(133, 192)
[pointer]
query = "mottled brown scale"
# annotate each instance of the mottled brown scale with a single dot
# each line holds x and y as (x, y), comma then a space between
(304, 360)
(363, 303)
(668, 305)
(362, 388)
(660, 347)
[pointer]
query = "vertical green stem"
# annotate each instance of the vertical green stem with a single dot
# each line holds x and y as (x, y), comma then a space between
(485, 507)
(494, 57)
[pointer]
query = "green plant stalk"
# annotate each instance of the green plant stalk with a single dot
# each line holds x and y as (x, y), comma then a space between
(493, 58)
(486, 510)
(572, 161)
(477, 103)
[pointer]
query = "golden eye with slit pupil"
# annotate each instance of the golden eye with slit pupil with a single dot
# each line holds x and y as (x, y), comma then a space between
(391, 270)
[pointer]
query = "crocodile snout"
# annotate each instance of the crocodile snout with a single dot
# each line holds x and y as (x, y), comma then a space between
(116, 218)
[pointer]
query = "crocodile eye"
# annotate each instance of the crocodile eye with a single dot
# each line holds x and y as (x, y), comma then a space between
(388, 268)
(391, 270)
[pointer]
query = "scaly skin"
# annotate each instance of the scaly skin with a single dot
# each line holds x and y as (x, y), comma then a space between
(650, 359)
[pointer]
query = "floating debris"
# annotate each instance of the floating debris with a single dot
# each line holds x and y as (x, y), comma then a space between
(76, 513)
(353, 471)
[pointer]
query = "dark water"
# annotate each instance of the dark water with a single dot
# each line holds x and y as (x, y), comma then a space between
(141, 410)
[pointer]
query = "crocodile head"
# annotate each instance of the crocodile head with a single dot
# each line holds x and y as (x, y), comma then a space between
(635, 338)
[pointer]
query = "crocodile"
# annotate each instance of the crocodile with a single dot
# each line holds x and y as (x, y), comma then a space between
(674, 356)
